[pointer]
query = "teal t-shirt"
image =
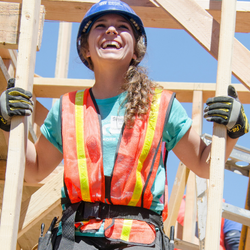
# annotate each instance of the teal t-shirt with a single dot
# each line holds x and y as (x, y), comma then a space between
(112, 117)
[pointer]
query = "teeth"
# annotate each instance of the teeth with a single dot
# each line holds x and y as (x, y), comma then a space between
(111, 43)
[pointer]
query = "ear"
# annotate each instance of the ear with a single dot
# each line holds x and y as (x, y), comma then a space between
(88, 54)
(134, 56)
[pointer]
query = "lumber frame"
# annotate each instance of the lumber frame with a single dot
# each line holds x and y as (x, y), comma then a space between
(206, 32)
(9, 57)
(190, 209)
(237, 214)
(185, 245)
(18, 135)
(202, 194)
(176, 197)
(10, 15)
(4, 77)
(151, 15)
(216, 183)
(245, 232)
(63, 50)
(41, 203)
(54, 88)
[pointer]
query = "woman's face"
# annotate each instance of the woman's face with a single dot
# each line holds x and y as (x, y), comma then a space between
(111, 39)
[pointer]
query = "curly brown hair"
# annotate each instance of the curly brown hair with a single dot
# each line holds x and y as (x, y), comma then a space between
(139, 87)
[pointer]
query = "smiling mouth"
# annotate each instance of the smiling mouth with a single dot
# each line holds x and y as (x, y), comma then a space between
(111, 45)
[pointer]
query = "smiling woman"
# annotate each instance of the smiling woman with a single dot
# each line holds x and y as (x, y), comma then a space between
(110, 138)
(110, 40)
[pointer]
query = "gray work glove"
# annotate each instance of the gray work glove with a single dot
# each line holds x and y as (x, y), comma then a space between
(228, 110)
(14, 101)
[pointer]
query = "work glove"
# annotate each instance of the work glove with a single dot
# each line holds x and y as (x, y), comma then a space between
(14, 101)
(228, 110)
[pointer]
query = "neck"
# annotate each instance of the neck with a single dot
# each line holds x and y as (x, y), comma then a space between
(108, 81)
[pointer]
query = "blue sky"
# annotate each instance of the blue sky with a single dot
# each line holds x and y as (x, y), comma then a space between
(172, 56)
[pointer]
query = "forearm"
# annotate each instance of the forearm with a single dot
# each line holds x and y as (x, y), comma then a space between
(31, 160)
(31, 169)
(39, 163)
(196, 155)
(206, 156)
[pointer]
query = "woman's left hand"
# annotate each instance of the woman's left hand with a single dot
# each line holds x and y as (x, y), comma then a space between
(228, 110)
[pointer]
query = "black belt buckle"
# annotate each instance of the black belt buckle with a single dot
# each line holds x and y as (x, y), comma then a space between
(92, 210)
(104, 210)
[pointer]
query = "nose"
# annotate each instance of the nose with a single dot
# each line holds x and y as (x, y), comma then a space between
(111, 31)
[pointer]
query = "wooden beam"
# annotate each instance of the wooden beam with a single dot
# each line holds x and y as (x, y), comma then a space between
(27, 191)
(73, 11)
(28, 240)
(176, 197)
(218, 149)
(2, 168)
(216, 5)
(185, 245)
(213, 7)
(3, 147)
(63, 50)
(9, 54)
(41, 203)
(4, 77)
(10, 14)
(202, 193)
(245, 232)
(9, 57)
(18, 135)
(237, 214)
(54, 88)
(205, 30)
(190, 208)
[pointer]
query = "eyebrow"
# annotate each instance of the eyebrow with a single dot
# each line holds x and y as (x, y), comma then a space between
(103, 20)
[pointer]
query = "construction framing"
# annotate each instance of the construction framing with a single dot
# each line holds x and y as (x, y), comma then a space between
(41, 202)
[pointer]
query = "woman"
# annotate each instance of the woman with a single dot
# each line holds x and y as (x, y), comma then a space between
(110, 139)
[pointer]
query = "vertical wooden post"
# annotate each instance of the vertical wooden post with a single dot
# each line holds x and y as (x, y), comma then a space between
(176, 197)
(18, 135)
(245, 229)
(190, 209)
(63, 49)
(202, 193)
(224, 73)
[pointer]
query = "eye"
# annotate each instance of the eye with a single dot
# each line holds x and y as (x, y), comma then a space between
(124, 27)
(100, 25)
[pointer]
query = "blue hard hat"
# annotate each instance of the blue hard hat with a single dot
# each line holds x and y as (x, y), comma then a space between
(105, 7)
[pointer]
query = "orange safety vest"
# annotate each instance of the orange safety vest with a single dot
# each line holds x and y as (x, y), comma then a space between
(136, 162)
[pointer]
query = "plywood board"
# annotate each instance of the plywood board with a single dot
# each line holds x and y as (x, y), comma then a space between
(10, 14)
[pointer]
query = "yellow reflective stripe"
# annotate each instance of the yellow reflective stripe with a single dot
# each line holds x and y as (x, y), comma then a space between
(146, 147)
(127, 224)
(82, 164)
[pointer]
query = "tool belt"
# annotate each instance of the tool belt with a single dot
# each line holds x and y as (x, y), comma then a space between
(84, 211)
(100, 211)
